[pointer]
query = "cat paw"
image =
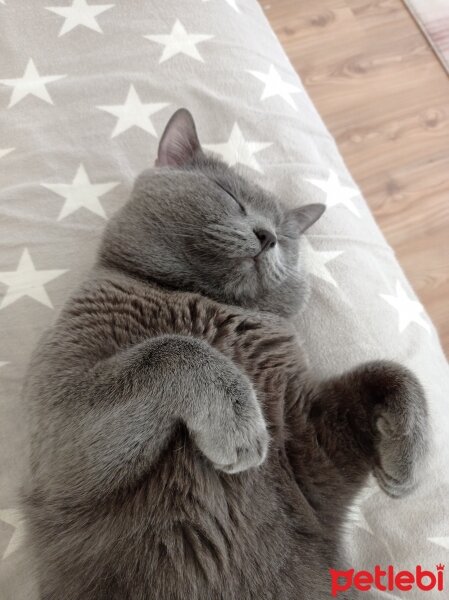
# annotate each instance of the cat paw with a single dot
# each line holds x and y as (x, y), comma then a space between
(401, 424)
(235, 437)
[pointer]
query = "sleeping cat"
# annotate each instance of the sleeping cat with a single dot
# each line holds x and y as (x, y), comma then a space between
(180, 448)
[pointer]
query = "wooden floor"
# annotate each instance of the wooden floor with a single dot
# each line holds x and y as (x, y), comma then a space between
(385, 97)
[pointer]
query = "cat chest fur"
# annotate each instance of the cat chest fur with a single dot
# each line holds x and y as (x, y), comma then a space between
(124, 312)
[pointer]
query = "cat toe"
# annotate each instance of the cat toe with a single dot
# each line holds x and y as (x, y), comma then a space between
(392, 486)
(250, 455)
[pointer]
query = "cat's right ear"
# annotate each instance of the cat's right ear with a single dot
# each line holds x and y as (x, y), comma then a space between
(179, 143)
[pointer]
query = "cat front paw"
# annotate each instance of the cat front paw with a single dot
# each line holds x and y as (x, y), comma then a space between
(402, 430)
(234, 437)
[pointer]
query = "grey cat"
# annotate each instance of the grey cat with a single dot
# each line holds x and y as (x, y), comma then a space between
(180, 448)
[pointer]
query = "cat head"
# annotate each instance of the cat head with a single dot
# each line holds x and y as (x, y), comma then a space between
(193, 223)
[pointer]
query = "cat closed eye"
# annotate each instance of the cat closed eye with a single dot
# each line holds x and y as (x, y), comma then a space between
(229, 193)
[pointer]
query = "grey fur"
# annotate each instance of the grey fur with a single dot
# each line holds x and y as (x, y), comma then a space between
(180, 449)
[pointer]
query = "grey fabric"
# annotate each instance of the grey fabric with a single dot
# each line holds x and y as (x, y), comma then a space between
(51, 217)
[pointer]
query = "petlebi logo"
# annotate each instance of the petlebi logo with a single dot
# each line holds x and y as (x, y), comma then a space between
(387, 580)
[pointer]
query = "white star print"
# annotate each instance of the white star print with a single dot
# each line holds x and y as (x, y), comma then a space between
(409, 311)
(179, 42)
(134, 113)
(13, 517)
(5, 151)
(26, 280)
(336, 193)
(80, 13)
(317, 261)
(238, 150)
(81, 193)
(31, 83)
(440, 541)
(232, 4)
(275, 86)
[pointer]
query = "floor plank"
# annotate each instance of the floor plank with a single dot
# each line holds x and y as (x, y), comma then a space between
(385, 97)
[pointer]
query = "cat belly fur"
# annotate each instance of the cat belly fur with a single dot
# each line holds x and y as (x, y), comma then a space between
(185, 530)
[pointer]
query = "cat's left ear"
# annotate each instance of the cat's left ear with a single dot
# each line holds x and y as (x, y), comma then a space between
(179, 143)
(305, 216)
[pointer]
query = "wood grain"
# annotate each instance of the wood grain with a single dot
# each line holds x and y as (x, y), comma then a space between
(385, 98)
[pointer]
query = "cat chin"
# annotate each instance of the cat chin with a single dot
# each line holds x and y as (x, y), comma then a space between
(286, 300)
(257, 289)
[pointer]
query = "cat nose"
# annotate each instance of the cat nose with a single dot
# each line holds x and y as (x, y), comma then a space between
(266, 238)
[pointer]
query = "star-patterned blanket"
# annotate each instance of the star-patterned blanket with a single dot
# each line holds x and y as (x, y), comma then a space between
(85, 91)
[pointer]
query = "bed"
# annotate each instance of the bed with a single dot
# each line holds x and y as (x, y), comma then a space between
(85, 91)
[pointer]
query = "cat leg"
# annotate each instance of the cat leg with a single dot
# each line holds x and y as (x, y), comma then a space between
(117, 417)
(372, 419)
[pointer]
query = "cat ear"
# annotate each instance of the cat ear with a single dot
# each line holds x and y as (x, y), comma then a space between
(179, 142)
(305, 216)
